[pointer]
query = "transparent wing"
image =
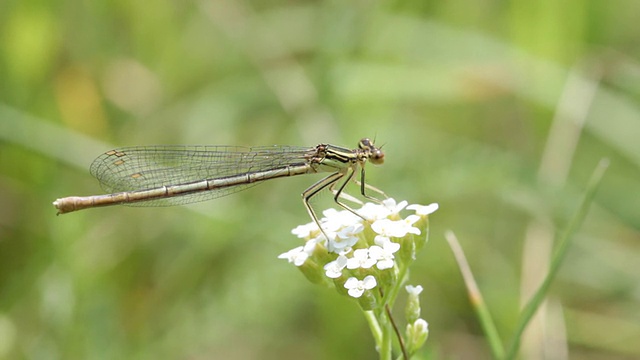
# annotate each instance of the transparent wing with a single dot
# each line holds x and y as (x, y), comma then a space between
(148, 167)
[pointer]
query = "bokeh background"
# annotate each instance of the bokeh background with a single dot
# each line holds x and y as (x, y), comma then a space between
(497, 110)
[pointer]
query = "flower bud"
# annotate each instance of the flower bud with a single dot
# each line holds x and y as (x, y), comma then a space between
(417, 333)
(412, 311)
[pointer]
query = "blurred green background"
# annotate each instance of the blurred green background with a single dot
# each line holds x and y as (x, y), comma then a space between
(497, 110)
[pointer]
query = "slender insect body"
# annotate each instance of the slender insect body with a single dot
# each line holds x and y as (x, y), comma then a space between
(174, 175)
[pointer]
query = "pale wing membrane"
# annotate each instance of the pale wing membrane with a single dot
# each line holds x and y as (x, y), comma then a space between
(148, 167)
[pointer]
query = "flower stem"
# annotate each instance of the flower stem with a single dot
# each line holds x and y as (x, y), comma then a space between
(374, 325)
(393, 293)
(395, 329)
(385, 348)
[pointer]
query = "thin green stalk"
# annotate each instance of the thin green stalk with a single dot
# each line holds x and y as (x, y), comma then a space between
(387, 338)
(374, 325)
(390, 299)
(393, 293)
(401, 343)
(476, 299)
(532, 306)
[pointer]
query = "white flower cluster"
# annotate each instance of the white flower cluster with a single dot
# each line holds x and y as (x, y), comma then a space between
(355, 244)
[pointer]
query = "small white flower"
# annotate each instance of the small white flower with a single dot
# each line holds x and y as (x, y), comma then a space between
(357, 287)
(338, 244)
(334, 268)
(396, 228)
(423, 210)
(350, 231)
(296, 256)
(335, 220)
(384, 254)
(305, 231)
(414, 290)
(387, 244)
(360, 259)
(344, 238)
(391, 205)
(408, 224)
(383, 227)
(341, 227)
(373, 212)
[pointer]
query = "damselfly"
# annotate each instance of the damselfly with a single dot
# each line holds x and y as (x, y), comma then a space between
(174, 175)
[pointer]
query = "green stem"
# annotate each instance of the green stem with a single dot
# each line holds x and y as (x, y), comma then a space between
(475, 297)
(385, 348)
(558, 256)
(390, 297)
(403, 348)
(374, 325)
(384, 317)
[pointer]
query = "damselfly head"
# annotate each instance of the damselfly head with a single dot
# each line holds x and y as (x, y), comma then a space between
(376, 156)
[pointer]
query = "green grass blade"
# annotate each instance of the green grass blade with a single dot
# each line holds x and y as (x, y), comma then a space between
(477, 301)
(559, 255)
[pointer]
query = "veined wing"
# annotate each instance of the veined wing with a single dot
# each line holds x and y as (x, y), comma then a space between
(148, 167)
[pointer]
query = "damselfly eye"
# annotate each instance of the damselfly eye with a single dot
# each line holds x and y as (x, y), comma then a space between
(376, 157)
(365, 144)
